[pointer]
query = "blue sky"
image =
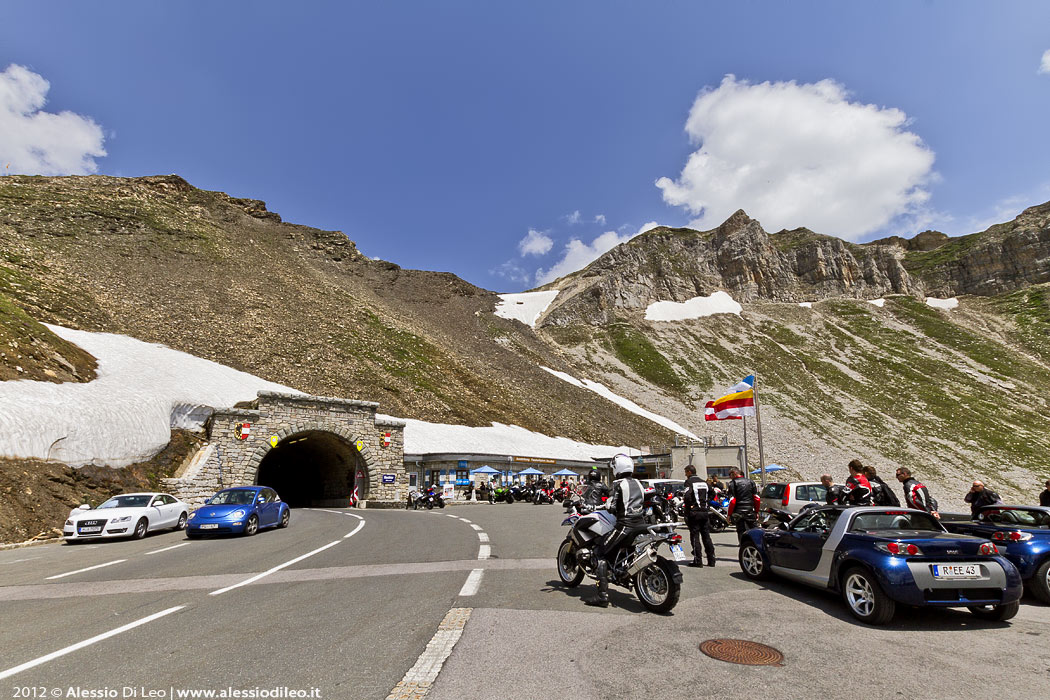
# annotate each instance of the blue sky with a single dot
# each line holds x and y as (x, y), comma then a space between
(512, 142)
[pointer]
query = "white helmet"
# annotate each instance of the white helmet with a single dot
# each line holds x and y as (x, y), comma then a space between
(622, 466)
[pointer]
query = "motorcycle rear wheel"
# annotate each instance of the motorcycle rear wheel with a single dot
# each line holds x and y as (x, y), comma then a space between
(656, 586)
(717, 525)
(569, 570)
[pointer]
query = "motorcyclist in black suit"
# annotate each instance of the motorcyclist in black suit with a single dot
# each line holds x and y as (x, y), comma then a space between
(697, 513)
(742, 507)
(628, 503)
(595, 490)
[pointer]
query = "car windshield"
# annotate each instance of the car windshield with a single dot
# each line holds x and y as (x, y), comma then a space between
(894, 520)
(139, 501)
(237, 497)
(1018, 517)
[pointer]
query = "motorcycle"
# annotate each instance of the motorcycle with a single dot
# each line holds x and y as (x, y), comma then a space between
(543, 496)
(501, 494)
(429, 501)
(717, 519)
(656, 580)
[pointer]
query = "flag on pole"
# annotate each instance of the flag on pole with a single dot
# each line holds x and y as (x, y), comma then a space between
(738, 403)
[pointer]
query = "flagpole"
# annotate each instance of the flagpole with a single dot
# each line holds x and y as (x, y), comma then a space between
(758, 425)
(747, 464)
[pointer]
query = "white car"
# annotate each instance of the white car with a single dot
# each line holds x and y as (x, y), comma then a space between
(127, 515)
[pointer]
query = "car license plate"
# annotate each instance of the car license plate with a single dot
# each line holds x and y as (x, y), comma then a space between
(946, 571)
(676, 550)
(210, 526)
(88, 530)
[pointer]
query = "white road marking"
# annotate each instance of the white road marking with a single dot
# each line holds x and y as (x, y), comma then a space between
(78, 571)
(354, 516)
(165, 549)
(449, 515)
(476, 527)
(484, 551)
(473, 582)
(419, 679)
(483, 537)
(465, 520)
(278, 567)
(87, 642)
(354, 531)
(15, 561)
(323, 510)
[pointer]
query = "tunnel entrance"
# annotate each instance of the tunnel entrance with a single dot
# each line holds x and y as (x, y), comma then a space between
(314, 468)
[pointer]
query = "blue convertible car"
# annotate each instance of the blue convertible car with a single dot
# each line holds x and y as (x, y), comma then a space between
(244, 509)
(1023, 533)
(878, 557)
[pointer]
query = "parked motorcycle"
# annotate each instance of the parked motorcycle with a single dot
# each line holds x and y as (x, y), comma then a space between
(636, 564)
(430, 501)
(718, 519)
(543, 497)
(501, 494)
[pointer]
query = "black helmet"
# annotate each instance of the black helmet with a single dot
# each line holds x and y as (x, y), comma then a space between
(594, 476)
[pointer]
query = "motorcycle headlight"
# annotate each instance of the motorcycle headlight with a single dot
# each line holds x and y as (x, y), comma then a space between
(125, 519)
(240, 513)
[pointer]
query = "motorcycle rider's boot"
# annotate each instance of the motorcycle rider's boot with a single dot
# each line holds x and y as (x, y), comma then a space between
(601, 598)
(710, 561)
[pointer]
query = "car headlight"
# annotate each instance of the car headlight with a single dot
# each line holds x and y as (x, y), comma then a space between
(69, 523)
(124, 519)
(238, 514)
(193, 515)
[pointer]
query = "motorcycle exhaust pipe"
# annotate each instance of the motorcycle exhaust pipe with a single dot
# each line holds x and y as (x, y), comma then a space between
(640, 562)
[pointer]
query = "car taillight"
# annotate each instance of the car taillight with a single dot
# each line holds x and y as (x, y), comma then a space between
(900, 549)
(988, 549)
(1013, 536)
(787, 495)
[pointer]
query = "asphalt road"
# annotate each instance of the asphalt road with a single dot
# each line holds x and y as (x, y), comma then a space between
(344, 604)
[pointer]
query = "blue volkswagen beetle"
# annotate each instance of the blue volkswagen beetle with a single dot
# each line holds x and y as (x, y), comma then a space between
(1023, 533)
(878, 557)
(244, 509)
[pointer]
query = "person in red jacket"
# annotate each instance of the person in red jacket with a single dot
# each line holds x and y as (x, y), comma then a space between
(857, 489)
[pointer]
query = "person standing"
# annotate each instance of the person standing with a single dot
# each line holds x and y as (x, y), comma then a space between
(697, 516)
(857, 489)
(834, 491)
(1044, 497)
(915, 494)
(979, 497)
(881, 493)
(743, 502)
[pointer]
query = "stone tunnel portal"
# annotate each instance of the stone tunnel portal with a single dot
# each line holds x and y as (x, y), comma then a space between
(314, 469)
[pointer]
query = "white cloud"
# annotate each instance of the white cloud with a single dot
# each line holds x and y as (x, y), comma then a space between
(599, 219)
(574, 218)
(535, 243)
(578, 254)
(42, 143)
(1044, 67)
(512, 271)
(799, 155)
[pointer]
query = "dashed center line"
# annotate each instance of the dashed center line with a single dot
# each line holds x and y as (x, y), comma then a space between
(473, 583)
(483, 536)
(476, 527)
(484, 552)
(89, 568)
(165, 549)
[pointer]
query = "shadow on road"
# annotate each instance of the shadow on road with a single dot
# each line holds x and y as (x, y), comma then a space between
(907, 617)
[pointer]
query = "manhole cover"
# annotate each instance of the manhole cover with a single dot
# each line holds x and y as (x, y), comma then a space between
(741, 651)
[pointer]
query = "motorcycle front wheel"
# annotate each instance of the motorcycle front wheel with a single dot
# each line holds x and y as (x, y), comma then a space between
(569, 570)
(656, 586)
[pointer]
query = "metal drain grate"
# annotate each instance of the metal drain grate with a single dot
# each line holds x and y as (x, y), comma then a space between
(741, 651)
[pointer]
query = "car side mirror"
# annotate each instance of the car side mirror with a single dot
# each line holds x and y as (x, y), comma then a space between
(84, 506)
(207, 501)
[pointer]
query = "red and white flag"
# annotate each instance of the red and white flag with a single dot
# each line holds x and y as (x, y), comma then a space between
(738, 403)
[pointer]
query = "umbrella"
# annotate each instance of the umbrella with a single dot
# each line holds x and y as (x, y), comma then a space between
(484, 470)
(769, 468)
(565, 472)
(531, 471)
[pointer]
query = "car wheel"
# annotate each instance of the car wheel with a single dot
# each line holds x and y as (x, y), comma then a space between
(252, 526)
(1039, 584)
(181, 525)
(286, 516)
(999, 613)
(865, 598)
(752, 562)
(141, 527)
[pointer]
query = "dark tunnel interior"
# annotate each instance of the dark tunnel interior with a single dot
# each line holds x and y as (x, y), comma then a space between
(313, 469)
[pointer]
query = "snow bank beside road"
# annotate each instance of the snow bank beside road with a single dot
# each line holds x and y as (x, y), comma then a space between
(143, 390)
(125, 415)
